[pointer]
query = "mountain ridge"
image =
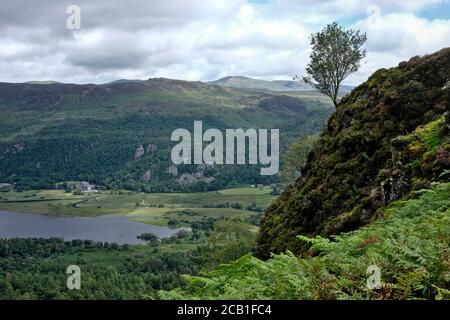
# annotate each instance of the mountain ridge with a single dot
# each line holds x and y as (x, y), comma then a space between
(62, 132)
(270, 85)
(237, 82)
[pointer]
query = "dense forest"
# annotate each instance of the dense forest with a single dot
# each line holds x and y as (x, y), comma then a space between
(36, 269)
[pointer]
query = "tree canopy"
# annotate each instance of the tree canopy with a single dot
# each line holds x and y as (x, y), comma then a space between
(336, 53)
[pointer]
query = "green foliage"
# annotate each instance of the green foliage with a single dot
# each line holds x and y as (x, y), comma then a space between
(149, 237)
(228, 241)
(409, 244)
(336, 53)
(432, 134)
(295, 158)
(36, 269)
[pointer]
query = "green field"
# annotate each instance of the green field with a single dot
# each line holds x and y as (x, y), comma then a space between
(151, 208)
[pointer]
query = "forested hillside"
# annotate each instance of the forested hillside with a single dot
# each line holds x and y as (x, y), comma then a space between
(118, 134)
(388, 138)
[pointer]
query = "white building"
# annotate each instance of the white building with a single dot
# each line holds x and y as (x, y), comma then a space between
(86, 187)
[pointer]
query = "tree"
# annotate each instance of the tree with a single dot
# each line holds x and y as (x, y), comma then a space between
(336, 53)
(295, 158)
(229, 241)
(149, 237)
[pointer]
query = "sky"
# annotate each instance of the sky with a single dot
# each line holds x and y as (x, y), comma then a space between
(204, 40)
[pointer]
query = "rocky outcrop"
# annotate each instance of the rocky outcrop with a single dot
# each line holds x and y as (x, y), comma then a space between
(446, 89)
(139, 152)
(18, 147)
(147, 176)
(198, 176)
(172, 170)
(152, 148)
(447, 85)
(385, 140)
(189, 179)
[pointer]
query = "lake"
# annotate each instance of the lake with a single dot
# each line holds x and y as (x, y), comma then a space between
(108, 228)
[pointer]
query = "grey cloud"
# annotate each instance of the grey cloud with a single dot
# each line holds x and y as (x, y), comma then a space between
(191, 39)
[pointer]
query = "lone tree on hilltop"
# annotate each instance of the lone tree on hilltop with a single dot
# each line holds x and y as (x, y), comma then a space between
(336, 53)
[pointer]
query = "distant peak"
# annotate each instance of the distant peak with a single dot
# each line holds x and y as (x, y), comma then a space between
(124, 81)
(42, 82)
(242, 82)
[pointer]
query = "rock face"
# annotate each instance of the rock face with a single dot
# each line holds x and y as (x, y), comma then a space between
(196, 177)
(447, 85)
(139, 152)
(188, 179)
(172, 170)
(152, 148)
(386, 139)
(18, 147)
(147, 175)
(446, 89)
(395, 187)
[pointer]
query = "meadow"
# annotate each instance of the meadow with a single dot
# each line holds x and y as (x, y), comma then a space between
(153, 208)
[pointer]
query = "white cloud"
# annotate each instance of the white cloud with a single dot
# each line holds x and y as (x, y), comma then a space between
(202, 40)
(396, 37)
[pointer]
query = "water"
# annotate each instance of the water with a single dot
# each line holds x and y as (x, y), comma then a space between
(109, 228)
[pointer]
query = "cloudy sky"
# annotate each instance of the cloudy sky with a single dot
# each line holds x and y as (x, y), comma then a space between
(204, 39)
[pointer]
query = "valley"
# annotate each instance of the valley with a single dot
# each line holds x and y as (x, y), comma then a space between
(161, 209)
(118, 135)
(225, 159)
(373, 193)
(114, 263)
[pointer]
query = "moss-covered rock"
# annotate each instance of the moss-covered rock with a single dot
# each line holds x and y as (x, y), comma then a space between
(390, 136)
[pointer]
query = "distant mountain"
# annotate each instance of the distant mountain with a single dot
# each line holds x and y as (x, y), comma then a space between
(274, 85)
(123, 81)
(249, 83)
(118, 134)
(42, 82)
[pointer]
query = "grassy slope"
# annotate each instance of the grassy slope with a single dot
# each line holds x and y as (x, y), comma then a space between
(409, 244)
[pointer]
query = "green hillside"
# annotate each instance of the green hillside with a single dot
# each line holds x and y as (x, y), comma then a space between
(409, 246)
(389, 137)
(118, 134)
